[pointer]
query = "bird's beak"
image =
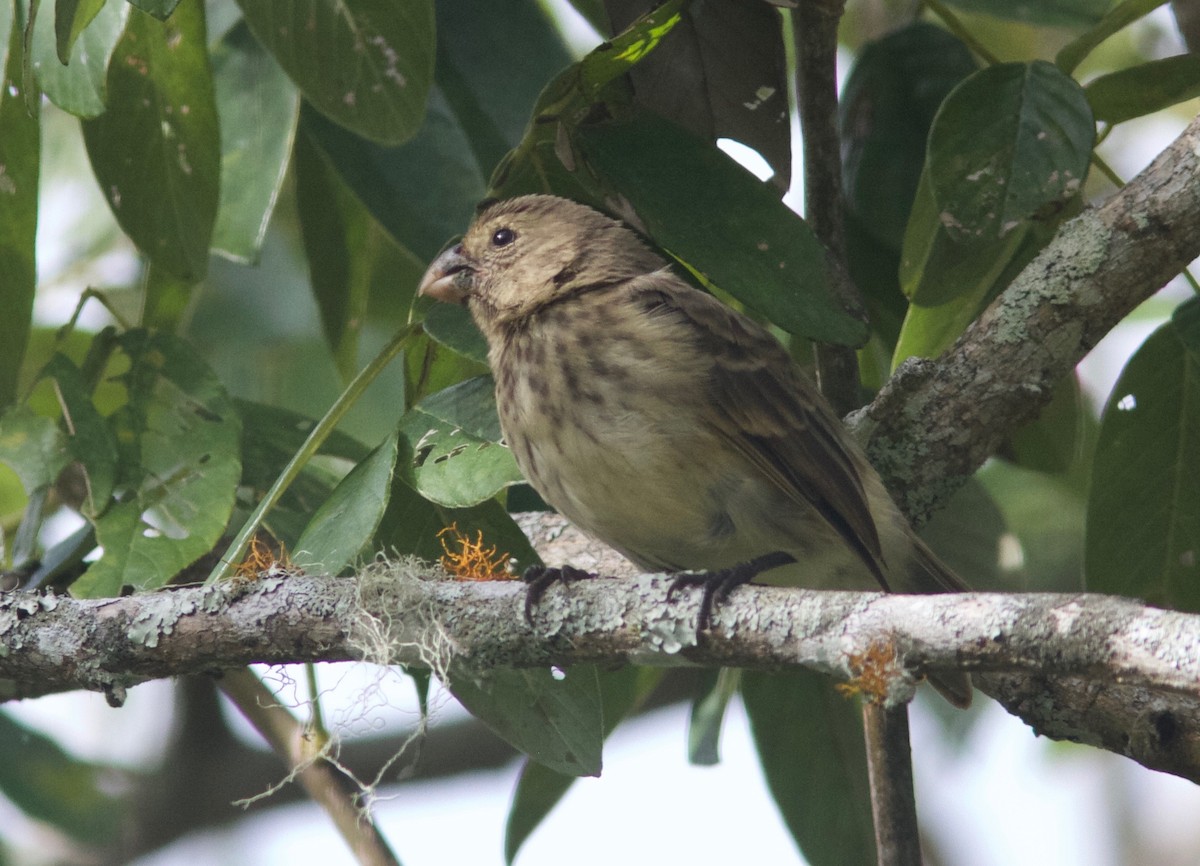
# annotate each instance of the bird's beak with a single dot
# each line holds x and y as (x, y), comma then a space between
(449, 278)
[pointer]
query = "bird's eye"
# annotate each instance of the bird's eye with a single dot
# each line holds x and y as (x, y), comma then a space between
(503, 237)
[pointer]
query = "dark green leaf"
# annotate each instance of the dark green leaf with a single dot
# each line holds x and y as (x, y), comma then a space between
(1117, 18)
(156, 151)
(477, 37)
(89, 439)
(747, 242)
(950, 283)
(453, 327)
(469, 406)
(78, 86)
(178, 436)
(20, 144)
(887, 106)
(1010, 141)
(429, 367)
(719, 73)
(967, 535)
(810, 745)
(270, 437)
(349, 254)
(70, 19)
(32, 446)
(1144, 89)
(1143, 516)
(1055, 13)
(347, 520)
(448, 465)
(423, 192)
(1051, 442)
(259, 108)
(539, 789)
(49, 785)
(555, 720)
(367, 64)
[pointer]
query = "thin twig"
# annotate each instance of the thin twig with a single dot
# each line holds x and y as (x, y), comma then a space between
(889, 767)
(814, 28)
(320, 779)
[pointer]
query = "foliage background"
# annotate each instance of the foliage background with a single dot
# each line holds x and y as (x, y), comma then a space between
(257, 186)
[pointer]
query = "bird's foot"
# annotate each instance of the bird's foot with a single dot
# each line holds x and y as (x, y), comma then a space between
(720, 583)
(539, 578)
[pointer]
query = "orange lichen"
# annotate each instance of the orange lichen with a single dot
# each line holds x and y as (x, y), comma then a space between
(261, 560)
(471, 560)
(873, 671)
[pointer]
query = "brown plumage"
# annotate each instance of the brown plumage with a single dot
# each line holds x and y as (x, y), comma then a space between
(662, 421)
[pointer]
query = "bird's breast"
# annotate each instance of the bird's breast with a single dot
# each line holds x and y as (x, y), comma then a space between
(612, 438)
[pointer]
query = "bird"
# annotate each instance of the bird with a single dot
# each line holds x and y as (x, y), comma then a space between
(664, 422)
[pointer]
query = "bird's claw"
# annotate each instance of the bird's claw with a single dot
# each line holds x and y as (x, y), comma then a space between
(720, 583)
(539, 578)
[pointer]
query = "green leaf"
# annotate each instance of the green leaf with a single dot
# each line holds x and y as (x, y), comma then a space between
(1010, 141)
(477, 37)
(411, 525)
(1052, 441)
(888, 103)
(49, 785)
(78, 85)
(748, 242)
(350, 256)
(469, 406)
(366, 64)
(1054, 13)
(89, 439)
(950, 283)
(539, 789)
(719, 73)
(259, 109)
(347, 520)
(708, 715)
(555, 720)
(1143, 514)
(178, 435)
(1043, 548)
(1117, 18)
(810, 745)
(156, 151)
(71, 17)
(20, 145)
(967, 535)
(1144, 89)
(32, 446)
(453, 327)
(160, 9)
(270, 437)
(449, 465)
(423, 192)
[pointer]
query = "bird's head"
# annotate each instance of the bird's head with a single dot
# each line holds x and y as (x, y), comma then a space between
(521, 254)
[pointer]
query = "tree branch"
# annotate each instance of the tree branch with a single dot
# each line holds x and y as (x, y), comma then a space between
(934, 423)
(56, 644)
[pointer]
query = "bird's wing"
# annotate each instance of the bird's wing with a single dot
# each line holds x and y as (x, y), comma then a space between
(770, 413)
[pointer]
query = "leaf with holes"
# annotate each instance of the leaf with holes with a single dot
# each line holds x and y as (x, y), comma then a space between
(178, 436)
(450, 466)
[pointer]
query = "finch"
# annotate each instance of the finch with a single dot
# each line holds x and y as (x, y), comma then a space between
(665, 423)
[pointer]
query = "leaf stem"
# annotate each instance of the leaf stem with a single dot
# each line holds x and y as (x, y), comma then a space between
(324, 427)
